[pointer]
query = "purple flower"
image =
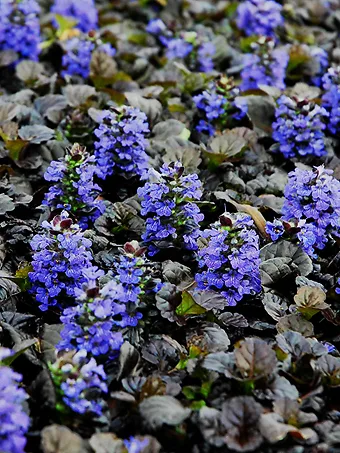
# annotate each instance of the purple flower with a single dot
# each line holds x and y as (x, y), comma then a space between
(264, 66)
(89, 325)
(121, 144)
(84, 11)
(275, 229)
(319, 56)
(178, 48)
(80, 383)
(20, 28)
(230, 260)
(331, 98)
(259, 17)
(168, 203)
(14, 421)
(135, 445)
(205, 53)
(74, 189)
(218, 106)
(312, 202)
(78, 54)
(299, 127)
(60, 256)
(156, 27)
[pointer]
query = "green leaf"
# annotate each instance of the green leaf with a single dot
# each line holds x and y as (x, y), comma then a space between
(64, 23)
(188, 306)
(197, 405)
(138, 38)
(189, 392)
(15, 147)
(310, 300)
(245, 43)
(18, 350)
(226, 147)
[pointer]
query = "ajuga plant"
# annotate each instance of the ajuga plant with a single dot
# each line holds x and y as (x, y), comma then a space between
(136, 275)
(218, 106)
(307, 63)
(299, 127)
(259, 17)
(74, 189)
(80, 384)
(14, 421)
(83, 11)
(229, 258)
(89, 325)
(103, 309)
(312, 204)
(78, 52)
(196, 49)
(265, 65)
(121, 144)
(169, 205)
(61, 253)
(20, 27)
(331, 98)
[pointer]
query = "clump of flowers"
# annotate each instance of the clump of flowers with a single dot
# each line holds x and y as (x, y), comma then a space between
(78, 52)
(259, 17)
(84, 11)
(20, 27)
(80, 383)
(194, 48)
(103, 308)
(218, 106)
(312, 203)
(229, 259)
(266, 65)
(169, 205)
(331, 98)
(134, 272)
(121, 144)
(60, 256)
(89, 325)
(299, 127)
(74, 189)
(14, 422)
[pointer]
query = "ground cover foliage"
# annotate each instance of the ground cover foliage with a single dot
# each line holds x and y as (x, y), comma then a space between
(169, 226)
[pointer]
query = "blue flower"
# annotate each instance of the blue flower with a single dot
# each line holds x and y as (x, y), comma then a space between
(331, 98)
(14, 421)
(20, 28)
(80, 383)
(168, 203)
(60, 256)
(74, 189)
(230, 259)
(266, 65)
(299, 127)
(218, 106)
(89, 324)
(178, 48)
(259, 17)
(135, 445)
(312, 202)
(121, 144)
(78, 54)
(275, 229)
(84, 11)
